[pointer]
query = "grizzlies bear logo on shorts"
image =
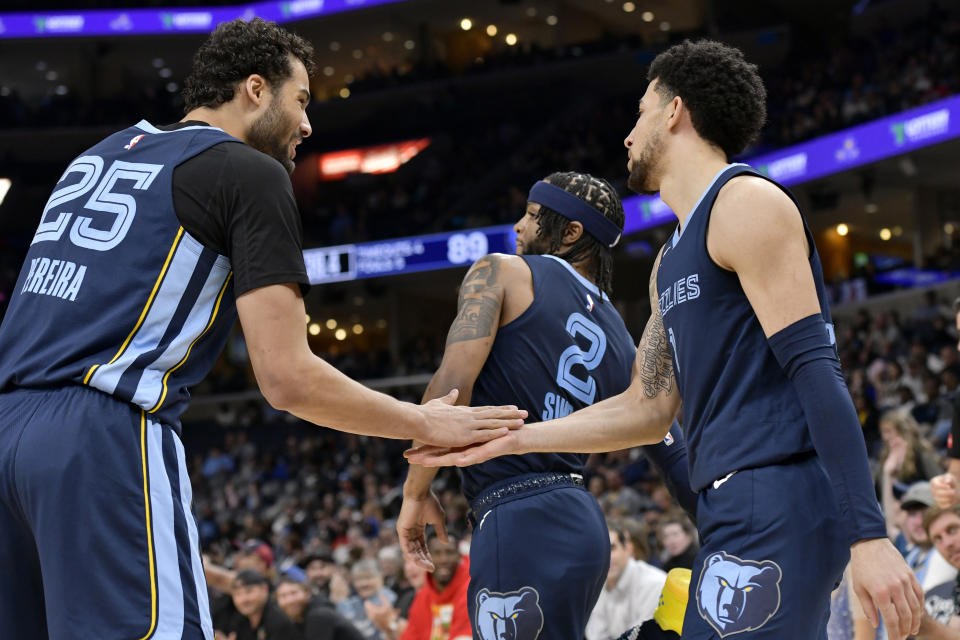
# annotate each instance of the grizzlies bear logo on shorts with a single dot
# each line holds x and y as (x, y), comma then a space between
(736, 595)
(509, 616)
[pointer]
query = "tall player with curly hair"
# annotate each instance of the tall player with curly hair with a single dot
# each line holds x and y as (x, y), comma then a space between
(537, 330)
(151, 245)
(740, 330)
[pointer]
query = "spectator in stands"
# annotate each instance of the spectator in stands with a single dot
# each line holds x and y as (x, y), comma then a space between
(439, 609)
(678, 540)
(905, 526)
(314, 617)
(941, 620)
(253, 616)
(368, 586)
(630, 594)
(319, 567)
(906, 455)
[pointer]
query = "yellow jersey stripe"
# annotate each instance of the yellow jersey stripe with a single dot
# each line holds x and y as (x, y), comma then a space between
(146, 307)
(213, 317)
(146, 502)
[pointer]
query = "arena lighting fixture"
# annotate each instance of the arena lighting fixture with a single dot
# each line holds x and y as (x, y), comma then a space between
(871, 207)
(898, 231)
(466, 24)
(334, 46)
(5, 184)
(647, 16)
(328, 71)
(387, 158)
(842, 229)
(387, 36)
(344, 93)
(341, 334)
(511, 39)
(664, 26)
(308, 318)
(314, 329)
(409, 45)
(629, 7)
(331, 324)
(358, 328)
(949, 228)
(491, 30)
(885, 234)
(552, 21)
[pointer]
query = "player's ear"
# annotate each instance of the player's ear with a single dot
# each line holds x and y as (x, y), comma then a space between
(572, 232)
(675, 110)
(255, 88)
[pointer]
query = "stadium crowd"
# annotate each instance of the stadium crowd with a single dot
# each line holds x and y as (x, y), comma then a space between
(314, 505)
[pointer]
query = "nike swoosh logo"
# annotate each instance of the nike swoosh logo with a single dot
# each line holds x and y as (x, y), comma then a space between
(717, 483)
(483, 519)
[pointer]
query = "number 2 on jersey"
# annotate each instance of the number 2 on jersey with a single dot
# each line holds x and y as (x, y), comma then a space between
(122, 206)
(584, 390)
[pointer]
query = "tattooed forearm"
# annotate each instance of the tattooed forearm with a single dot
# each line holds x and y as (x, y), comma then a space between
(478, 308)
(654, 362)
(656, 365)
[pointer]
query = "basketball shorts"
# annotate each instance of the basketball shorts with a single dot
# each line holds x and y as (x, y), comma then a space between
(538, 560)
(97, 539)
(774, 546)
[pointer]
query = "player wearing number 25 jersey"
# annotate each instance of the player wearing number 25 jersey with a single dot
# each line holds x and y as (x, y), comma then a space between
(153, 242)
(538, 331)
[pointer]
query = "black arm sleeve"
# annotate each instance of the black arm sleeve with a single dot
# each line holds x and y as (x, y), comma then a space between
(804, 351)
(239, 202)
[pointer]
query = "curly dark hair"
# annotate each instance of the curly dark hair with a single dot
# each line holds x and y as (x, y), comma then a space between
(724, 92)
(234, 51)
(599, 194)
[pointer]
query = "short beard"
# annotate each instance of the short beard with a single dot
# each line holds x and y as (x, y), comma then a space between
(266, 135)
(639, 180)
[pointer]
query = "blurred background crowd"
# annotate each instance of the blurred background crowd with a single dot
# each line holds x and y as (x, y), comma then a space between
(297, 522)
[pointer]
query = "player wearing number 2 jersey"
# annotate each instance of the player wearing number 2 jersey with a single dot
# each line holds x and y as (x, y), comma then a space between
(537, 331)
(152, 243)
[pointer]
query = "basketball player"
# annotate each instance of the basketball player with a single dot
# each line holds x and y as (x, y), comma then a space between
(152, 242)
(537, 330)
(740, 329)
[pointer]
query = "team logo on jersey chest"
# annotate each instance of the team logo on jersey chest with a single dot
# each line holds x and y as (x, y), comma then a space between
(683, 290)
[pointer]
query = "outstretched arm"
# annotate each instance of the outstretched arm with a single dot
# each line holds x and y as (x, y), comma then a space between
(640, 415)
(757, 232)
(469, 341)
(292, 378)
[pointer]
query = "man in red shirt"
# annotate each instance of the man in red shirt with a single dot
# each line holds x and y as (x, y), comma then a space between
(439, 610)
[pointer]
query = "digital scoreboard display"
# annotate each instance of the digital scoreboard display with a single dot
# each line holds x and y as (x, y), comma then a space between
(406, 255)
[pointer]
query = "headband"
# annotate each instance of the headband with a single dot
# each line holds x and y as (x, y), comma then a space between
(573, 208)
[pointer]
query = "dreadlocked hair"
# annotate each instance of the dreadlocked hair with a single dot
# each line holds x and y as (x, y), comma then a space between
(600, 195)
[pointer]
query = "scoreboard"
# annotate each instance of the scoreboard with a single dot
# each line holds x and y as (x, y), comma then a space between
(406, 255)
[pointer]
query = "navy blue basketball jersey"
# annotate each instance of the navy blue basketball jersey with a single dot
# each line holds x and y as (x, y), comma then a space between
(739, 408)
(114, 294)
(565, 352)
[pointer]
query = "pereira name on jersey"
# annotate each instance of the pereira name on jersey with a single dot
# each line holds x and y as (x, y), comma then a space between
(59, 278)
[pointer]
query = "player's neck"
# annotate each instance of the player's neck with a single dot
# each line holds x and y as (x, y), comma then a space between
(223, 117)
(585, 268)
(688, 176)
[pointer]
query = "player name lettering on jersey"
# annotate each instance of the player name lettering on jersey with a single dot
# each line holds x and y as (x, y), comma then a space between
(683, 290)
(556, 406)
(60, 278)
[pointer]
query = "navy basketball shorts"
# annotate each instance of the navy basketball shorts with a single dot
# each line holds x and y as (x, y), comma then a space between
(97, 539)
(537, 564)
(774, 547)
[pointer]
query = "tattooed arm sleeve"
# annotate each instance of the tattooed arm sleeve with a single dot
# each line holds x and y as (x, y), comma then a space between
(473, 331)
